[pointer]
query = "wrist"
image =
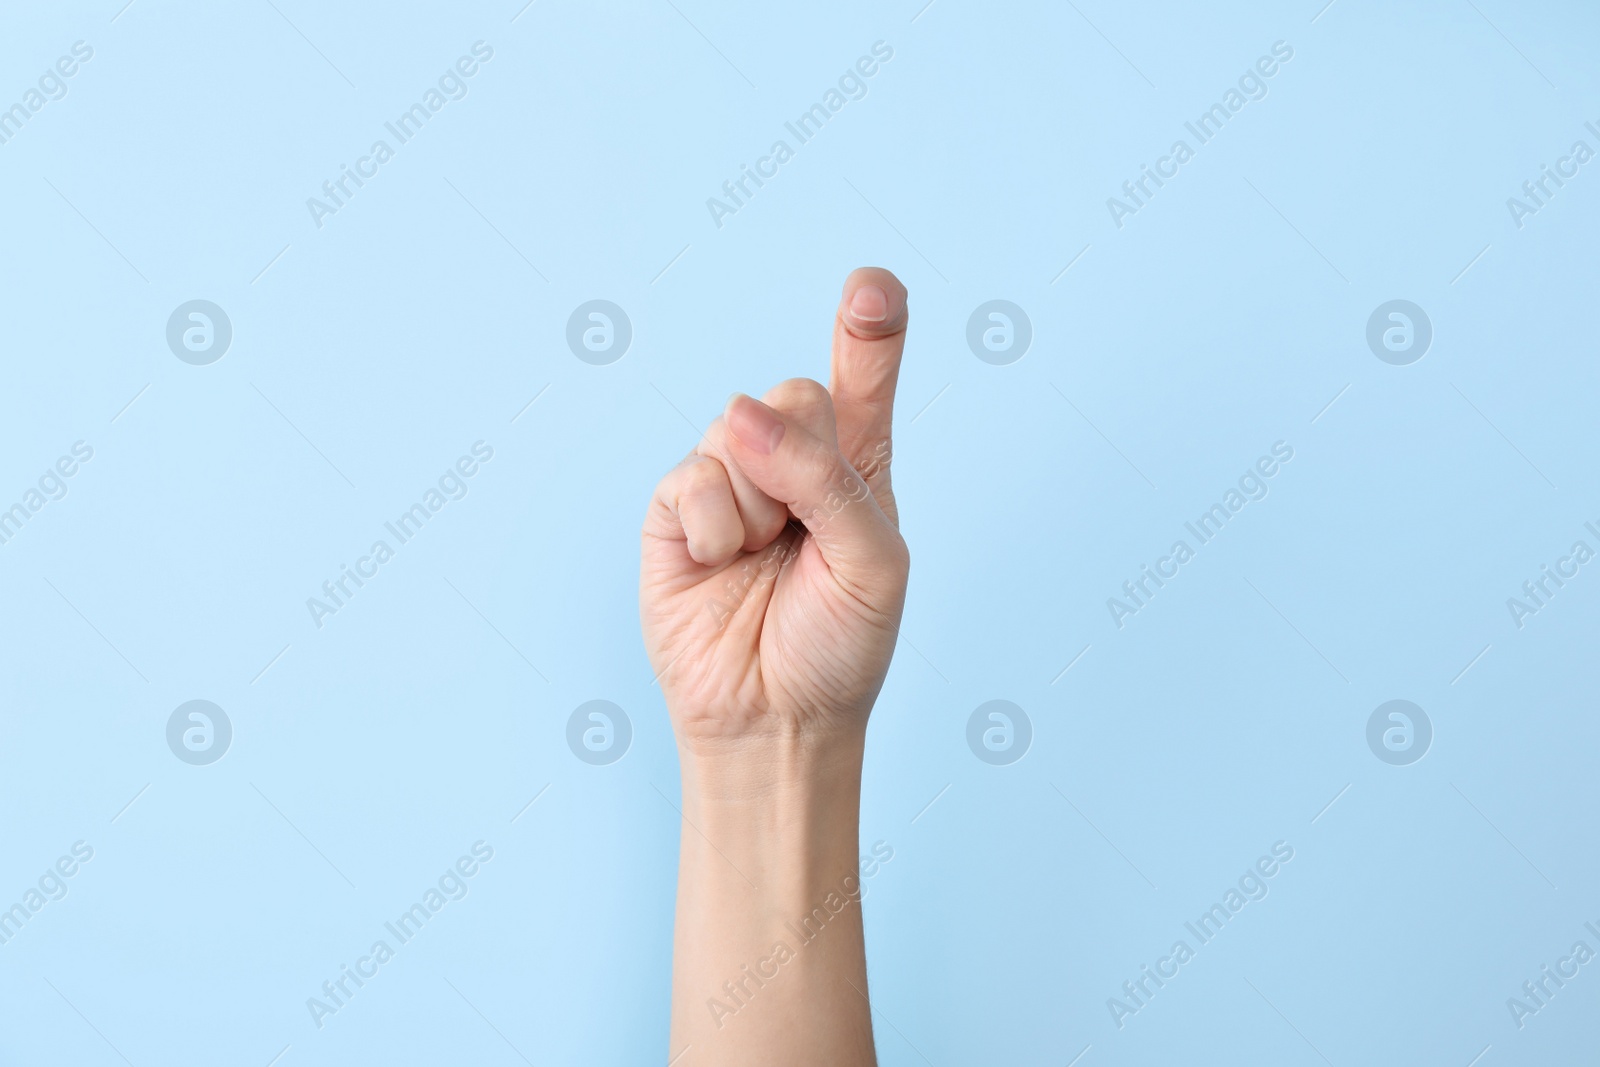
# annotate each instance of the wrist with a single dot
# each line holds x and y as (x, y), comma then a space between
(784, 812)
(775, 769)
(769, 916)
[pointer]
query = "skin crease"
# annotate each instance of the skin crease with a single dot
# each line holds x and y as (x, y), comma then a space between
(772, 580)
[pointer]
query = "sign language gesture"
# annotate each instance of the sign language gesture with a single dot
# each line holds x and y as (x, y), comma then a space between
(773, 571)
(771, 587)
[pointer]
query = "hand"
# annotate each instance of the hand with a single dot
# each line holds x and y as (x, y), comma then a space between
(771, 586)
(773, 572)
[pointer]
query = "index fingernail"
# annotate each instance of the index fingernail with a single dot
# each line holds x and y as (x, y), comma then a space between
(869, 304)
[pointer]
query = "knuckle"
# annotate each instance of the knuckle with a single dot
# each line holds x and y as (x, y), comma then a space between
(701, 478)
(799, 394)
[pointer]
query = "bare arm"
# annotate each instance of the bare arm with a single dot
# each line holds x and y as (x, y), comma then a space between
(772, 583)
(769, 964)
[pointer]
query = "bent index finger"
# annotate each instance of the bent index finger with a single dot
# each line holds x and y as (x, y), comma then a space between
(869, 337)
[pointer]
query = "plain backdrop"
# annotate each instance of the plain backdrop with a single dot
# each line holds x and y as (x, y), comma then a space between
(429, 313)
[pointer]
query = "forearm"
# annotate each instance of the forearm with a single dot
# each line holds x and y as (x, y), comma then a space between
(769, 964)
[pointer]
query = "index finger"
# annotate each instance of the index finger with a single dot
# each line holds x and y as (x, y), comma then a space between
(869, 337)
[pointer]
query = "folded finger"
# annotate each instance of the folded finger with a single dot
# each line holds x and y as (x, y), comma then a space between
(695, 504)
(762, 517)
(818, 484)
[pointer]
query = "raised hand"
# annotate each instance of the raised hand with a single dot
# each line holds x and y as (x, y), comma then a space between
(771, 587)
(773, 571)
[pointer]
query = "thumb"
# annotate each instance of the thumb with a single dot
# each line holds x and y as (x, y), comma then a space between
(791, 464)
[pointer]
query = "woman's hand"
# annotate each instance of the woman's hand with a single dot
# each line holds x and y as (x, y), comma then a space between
(773, 571)
(772, 582)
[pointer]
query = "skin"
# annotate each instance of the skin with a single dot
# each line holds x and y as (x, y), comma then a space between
(772, 581)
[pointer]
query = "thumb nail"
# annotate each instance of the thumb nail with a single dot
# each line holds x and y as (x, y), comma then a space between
(756, 426)
(870, 304)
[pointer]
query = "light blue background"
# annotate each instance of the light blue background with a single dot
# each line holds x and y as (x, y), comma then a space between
(370, 353)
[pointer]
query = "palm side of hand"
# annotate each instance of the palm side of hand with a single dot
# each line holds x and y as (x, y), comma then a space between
(773, 574)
